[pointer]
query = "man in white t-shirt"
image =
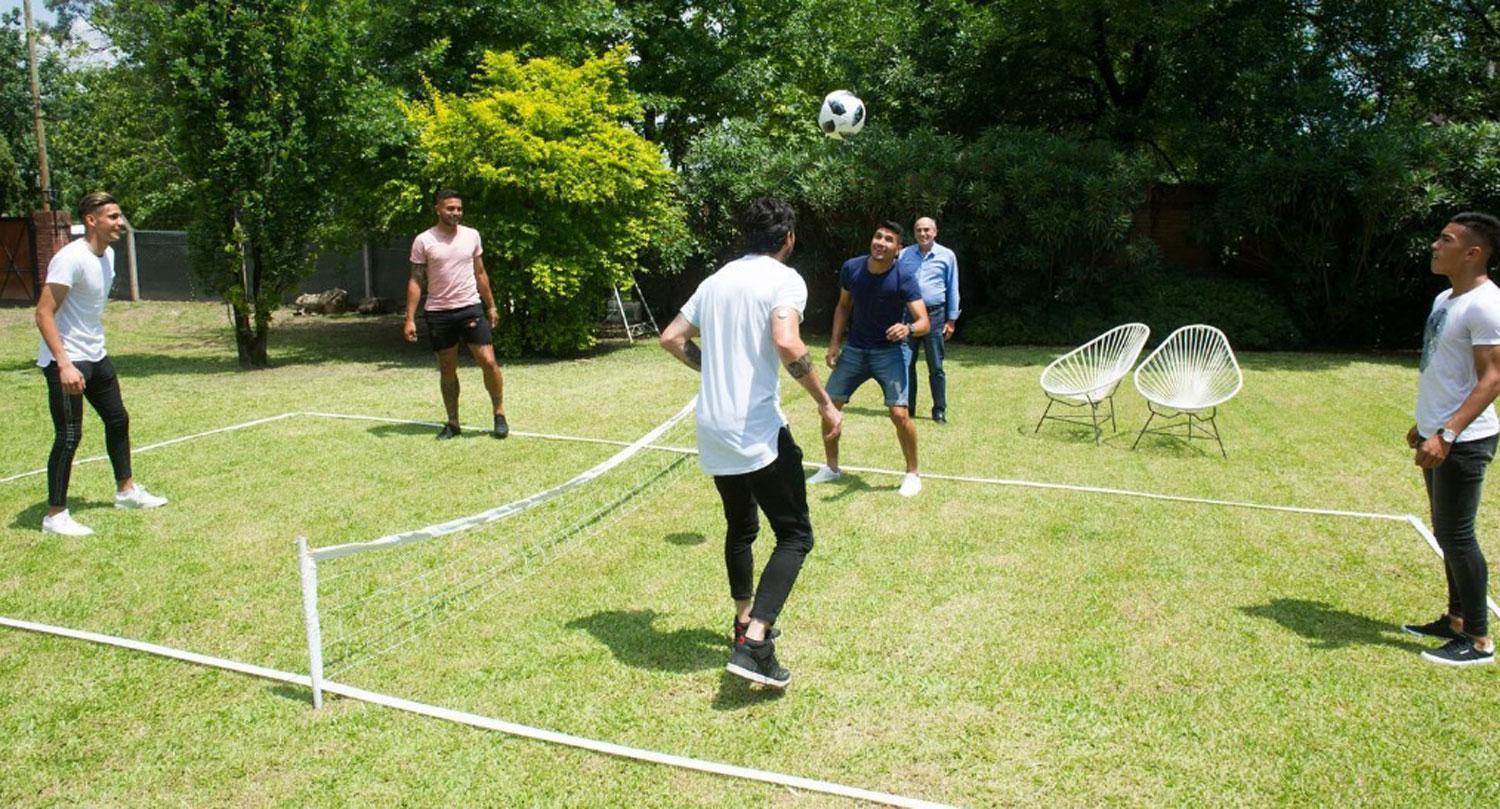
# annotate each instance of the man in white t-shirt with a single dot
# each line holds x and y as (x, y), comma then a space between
(70, 316)
(448, 256)
(1457, 429)
(749, 314)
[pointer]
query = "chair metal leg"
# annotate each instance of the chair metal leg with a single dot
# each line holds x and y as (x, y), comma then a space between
(1094, 415)
(1142, 433)
(1050, 401)
(1213, 422)
(1112, 425)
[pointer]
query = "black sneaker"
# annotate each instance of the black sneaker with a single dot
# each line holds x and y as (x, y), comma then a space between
(940, 418)
(756, 662)
(501, 428)
(739, 633)
(448, 431)
(1441, 628)
(1459, 652)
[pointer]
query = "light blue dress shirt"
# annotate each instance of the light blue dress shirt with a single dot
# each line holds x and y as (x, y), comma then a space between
(937, 275)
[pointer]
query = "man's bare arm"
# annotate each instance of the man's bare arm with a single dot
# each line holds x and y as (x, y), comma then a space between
(786, 333)
(840, 325)
(48, 301)
(1432, 452)
(482, 281)
(677, 340)
(413, 297)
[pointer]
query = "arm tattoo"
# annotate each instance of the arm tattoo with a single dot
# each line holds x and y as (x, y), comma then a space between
(694, 355)
(800, 367)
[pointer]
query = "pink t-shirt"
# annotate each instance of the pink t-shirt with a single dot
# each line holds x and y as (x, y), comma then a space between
(450, 266)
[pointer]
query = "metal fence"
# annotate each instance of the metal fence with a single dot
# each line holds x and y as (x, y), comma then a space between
(164, 272)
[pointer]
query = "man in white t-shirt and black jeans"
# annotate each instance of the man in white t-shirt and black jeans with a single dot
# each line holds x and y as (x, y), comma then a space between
(1457, 429)
(70, 316)
(749, 314)
(448, 255)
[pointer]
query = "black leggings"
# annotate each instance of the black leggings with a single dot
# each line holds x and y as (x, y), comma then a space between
(102, 389)
(781, 492)
(1453, 489)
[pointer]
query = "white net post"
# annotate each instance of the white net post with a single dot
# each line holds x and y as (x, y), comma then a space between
(308, 566)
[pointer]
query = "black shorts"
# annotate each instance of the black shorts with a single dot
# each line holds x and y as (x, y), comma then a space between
(447, 327)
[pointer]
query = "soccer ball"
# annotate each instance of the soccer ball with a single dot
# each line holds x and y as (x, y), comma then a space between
(842, 114)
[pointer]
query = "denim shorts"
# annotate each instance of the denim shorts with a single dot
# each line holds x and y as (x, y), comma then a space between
(887, 366)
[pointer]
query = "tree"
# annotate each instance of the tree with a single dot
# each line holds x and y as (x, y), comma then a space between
(565, 195)
(259, 95)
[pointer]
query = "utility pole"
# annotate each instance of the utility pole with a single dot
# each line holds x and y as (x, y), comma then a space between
(36, 112)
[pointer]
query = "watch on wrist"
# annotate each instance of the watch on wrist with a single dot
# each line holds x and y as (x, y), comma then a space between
(1449, 436)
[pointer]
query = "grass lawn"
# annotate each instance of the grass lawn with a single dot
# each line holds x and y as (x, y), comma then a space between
(977, 645)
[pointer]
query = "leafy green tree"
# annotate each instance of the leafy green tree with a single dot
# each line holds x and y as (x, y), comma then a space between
(259, 96)
(565, 196)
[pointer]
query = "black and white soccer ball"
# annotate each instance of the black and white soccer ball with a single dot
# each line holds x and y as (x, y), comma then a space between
(842, 114)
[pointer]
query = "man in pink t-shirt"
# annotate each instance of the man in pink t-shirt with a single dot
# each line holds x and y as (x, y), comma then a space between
(448, 256)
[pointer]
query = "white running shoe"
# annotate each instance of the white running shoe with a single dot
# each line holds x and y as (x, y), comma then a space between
(910, 485)
(825, 474)
(137, 497)
(63, 523)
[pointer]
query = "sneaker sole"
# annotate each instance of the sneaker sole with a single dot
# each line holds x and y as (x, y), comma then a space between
(756, 677)
(52, 533)
(1411, 630)
(133, 506)
(1442, 661)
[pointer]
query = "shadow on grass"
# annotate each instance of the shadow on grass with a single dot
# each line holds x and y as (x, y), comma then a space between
(737, 692)
(406, 430)
(686, 539)
(845, 486)
(1331, 628)
(633, 640)
(30, 518)
(295, 693)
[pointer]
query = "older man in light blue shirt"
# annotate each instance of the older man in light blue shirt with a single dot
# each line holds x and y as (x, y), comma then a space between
(936, 268)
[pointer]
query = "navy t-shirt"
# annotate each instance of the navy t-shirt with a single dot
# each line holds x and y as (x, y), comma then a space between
(879, 300)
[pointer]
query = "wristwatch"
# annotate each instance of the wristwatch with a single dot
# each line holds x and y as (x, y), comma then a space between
(1448, 435)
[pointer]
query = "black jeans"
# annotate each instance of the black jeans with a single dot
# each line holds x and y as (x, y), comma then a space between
(1453, 489)
(102, 389)
(781, 492)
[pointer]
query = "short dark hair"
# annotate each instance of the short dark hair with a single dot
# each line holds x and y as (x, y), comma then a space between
(893, 227)
(92, 202)
(765, 223)
(1484, 229)
(445, 194)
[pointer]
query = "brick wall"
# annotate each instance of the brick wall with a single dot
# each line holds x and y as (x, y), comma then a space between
(50, 231)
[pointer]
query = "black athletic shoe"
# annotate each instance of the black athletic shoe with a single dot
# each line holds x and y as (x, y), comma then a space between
(739, 633)
(1441, 628)
(940, 418)
(756, 662)
(448, 431)
(501, 428)
(1459, 652)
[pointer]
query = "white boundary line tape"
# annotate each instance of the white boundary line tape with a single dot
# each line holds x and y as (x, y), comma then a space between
(158, 445)
(483, 722)
(1415, 522)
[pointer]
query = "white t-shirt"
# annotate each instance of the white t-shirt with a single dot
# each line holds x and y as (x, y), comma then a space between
(739, 399)
(1455, 326)
(80, 319)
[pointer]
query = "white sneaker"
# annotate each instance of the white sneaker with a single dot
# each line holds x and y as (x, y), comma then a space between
(825, 474)
(63, 523)
(910, 485)
(137, 497)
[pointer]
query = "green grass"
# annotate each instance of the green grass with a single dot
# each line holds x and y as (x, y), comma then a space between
(979, 645)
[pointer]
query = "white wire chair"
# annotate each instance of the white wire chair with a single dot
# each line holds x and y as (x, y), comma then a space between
(1088, 375)
(1193, 371)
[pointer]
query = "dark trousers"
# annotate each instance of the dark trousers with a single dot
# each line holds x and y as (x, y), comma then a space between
(102, 389)
(936, 378)
(780, 491)
(1453, 489)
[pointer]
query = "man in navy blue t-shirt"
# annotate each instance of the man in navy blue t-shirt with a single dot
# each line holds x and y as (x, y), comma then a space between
(876, 301)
